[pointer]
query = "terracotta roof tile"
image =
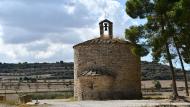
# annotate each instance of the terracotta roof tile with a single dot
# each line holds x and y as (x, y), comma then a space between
(103, 40)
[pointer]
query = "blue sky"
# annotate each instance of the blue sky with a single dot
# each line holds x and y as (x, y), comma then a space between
(46, 30)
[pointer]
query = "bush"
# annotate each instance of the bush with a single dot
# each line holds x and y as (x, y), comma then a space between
(157, 84)
(52, 95)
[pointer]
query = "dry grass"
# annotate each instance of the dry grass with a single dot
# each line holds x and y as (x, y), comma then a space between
(156, 97)
(24, 105)
(71, 99)
(9, 102)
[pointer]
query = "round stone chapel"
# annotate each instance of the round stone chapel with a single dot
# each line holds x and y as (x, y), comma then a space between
(105, 68)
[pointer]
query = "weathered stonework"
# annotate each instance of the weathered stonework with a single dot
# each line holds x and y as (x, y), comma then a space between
(95, 87)
(105, 68)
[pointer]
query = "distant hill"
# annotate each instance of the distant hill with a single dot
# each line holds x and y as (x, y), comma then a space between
(63, 70)
(58, 70)
(153, 70)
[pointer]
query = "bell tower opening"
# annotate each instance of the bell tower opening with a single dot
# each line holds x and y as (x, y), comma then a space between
(106, 29)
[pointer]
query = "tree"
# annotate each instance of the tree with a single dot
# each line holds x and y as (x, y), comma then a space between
(183, 68)
(179, 26)
(134, 34)
(20, 79)
(25, 63)
(61, 62)
(157, 29)
(181, 17)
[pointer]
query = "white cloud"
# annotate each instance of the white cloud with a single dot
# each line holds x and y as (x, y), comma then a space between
(46, 30)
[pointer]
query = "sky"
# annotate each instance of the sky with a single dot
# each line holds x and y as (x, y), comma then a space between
(47, 30)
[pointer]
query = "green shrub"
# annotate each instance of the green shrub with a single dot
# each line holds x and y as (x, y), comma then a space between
(157, 84)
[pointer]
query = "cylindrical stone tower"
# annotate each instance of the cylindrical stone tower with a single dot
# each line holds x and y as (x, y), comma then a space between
(105, 68)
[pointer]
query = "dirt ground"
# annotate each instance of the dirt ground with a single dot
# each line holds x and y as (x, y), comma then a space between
(166, 84)
(147, 86)
(62, 86)
(166, 90)
(110, 103)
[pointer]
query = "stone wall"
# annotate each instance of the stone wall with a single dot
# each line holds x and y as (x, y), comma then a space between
(95, 87)
(115, 57)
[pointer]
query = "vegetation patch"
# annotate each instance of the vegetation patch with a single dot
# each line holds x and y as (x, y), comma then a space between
(52, 95)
